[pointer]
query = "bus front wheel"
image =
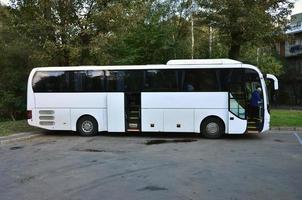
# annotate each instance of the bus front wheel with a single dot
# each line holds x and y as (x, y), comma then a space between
(212, 128)
(87, 126)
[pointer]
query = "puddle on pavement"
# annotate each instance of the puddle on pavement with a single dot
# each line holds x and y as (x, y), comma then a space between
(26, 179)
(152, 188)
(16, 147)
(152, 142)
(44, 143)
(90, 150)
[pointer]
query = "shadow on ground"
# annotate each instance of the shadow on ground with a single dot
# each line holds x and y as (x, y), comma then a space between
(156, 135)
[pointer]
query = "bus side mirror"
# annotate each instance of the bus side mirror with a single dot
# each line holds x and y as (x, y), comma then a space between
(274, 79)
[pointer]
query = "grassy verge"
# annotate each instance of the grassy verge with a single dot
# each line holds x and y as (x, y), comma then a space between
(286, 118)
(279, 118)
(11, 127)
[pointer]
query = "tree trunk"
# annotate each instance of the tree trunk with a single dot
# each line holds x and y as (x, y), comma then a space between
(235, 44)
(234, 51)
(12, 116)
(84, 55)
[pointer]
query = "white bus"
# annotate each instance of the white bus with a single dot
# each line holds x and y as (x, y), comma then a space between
(207, 96)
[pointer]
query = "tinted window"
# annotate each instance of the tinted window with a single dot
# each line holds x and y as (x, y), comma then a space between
(124, 80)
(69, 81)
(232, 80)
(51, 81)
(200, 80)
(133, 80)
(77, 81)
(95, 81)
(252, 82)
(161, 80)
(115, 81)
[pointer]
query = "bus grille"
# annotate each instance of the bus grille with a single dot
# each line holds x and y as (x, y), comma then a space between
(46, 117)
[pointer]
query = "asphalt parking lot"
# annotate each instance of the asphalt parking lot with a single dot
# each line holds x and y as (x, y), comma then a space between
(59, 165)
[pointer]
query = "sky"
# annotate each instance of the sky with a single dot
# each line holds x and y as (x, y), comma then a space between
(297, 8)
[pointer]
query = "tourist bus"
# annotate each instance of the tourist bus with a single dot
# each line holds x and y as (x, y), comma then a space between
(206, 96)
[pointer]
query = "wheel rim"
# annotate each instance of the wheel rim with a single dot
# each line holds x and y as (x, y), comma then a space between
(212, 128)
(87, 126)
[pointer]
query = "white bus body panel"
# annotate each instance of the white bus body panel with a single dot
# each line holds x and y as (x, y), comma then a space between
(266, 124)
(237, 125)
(152, 120)
(70, 100)
(180, 100)
(67, 108)
(116, 112)
(179, 120)
(266, 116)
(99, 114)
(181, 111)
(201, 114)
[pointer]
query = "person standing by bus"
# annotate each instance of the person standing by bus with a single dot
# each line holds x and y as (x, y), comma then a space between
(255, 103)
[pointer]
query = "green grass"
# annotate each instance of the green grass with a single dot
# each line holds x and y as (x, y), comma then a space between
(11, 127)
(286, 118)
(279, 118)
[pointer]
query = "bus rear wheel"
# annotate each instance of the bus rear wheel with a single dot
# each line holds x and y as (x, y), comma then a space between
(212, 128)
(87, 126)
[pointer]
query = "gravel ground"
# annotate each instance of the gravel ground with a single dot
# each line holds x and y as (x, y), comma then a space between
(61, 165)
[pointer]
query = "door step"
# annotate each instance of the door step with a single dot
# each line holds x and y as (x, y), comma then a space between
(252, 131)
(133, 125)
(133, 130)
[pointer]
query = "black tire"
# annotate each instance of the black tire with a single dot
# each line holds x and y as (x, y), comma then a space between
(87, 126)
(212, 128)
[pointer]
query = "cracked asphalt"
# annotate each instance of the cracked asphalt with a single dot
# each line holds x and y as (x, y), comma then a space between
(62, 165)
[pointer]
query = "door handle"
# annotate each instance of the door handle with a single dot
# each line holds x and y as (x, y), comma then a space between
(231, 118)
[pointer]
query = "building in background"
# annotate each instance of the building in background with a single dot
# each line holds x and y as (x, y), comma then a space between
(290, 51)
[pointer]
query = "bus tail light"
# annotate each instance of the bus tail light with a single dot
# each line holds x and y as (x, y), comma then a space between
(29, 114)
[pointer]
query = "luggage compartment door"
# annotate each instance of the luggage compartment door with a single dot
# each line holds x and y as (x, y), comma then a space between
(116, 112)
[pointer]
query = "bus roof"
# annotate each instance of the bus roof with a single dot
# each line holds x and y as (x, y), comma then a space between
(172, 64)
(203, 62)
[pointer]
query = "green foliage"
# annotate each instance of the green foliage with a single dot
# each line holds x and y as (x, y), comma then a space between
(103, 32)
(263, 58)
(240, 21)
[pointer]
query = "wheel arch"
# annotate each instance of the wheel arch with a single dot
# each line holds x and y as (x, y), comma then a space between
(98, 114)
(90, 127)
(212, 116)
(77, 118)
(87, 115)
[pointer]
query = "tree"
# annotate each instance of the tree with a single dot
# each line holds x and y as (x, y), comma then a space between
(264, 58)
(162, 32)
(240, 22)
(14, 59)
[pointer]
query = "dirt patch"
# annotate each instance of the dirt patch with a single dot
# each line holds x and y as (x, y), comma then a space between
(90, 150)
(16, 147)
(152, 142)
(26, 179)
(44, 143)
(152, 188)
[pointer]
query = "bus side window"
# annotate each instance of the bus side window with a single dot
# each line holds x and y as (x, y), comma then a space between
(115, 81)
(95, 81)
(77, 82)
(50, 81)
(133, 80)
(200, 80)
(161, 81)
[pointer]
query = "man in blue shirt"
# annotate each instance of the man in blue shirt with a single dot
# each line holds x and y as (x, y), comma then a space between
(255, 103)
